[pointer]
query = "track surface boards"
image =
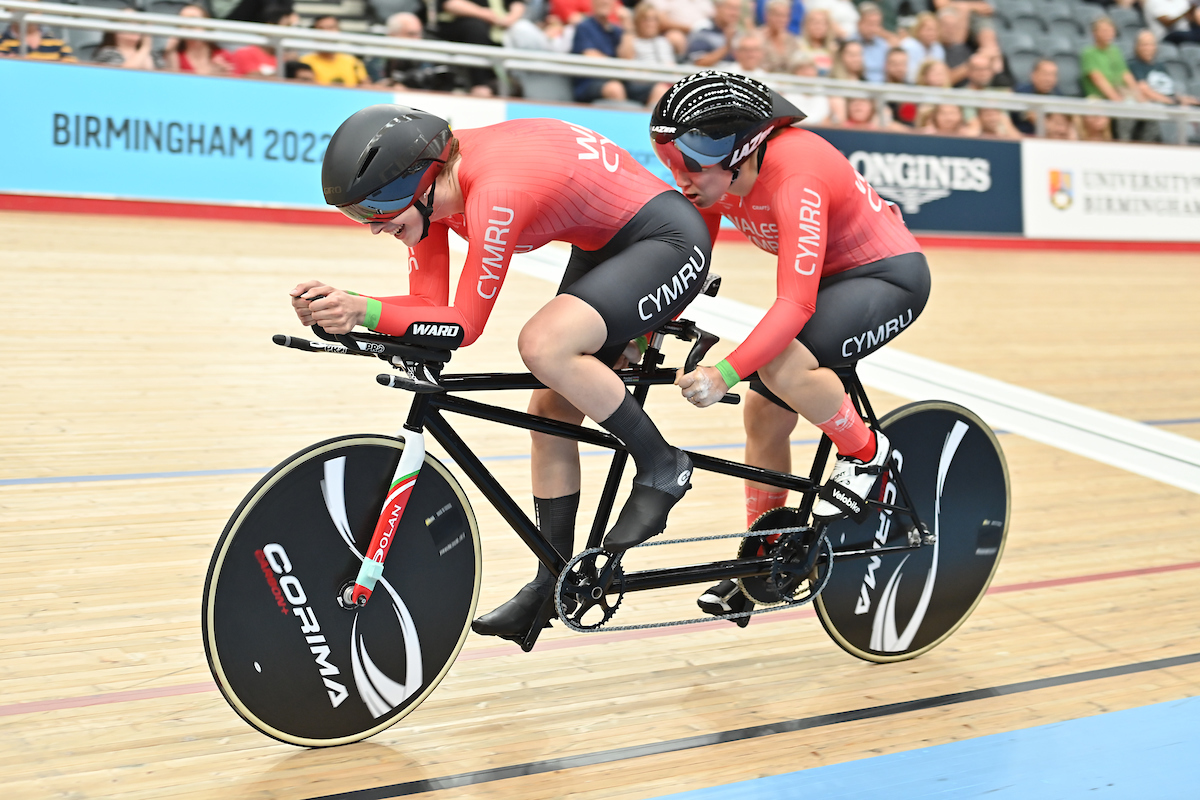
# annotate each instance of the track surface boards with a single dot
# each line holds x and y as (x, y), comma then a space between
(140, 349)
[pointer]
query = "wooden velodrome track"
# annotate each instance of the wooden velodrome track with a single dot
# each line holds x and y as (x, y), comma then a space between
(134, 349)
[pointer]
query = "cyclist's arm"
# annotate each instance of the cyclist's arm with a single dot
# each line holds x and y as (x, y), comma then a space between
(802, 213)
(497, 218)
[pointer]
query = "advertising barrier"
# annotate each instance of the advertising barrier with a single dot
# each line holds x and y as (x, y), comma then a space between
(97, 134)
(112, 133)
(1121, 192)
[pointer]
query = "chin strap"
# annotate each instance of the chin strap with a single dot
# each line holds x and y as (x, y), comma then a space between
(426, 211)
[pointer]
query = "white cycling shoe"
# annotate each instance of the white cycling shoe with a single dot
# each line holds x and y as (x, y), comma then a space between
(852, 480)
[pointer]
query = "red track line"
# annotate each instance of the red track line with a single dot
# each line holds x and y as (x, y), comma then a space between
(35, 706)
(1018, 242)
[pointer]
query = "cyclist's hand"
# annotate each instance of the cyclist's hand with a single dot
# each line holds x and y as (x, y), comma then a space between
(702, 387)
(301, 297)
(337, 311)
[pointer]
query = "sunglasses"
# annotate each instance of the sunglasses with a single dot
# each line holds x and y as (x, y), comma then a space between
(391, 201)
(692, 151)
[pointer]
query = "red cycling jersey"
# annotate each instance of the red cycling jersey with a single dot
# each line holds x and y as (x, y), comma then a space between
(821, 217)
(524, 183)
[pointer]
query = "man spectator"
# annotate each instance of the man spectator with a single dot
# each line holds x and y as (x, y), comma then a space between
(842, 13)
(1167, 16)
(895, 70)
(329, 68)
(1105, 73)
(953, 32)
(1157, 86)
(678, 18)
(1044, 81)
(1060, 126)
(38, 46)
(875, 41)
(597, 37)
(749, 52)
(712, 43)
(298, 71)
(407, 73)
(922, 43)
(979, 78)
(1192, 32)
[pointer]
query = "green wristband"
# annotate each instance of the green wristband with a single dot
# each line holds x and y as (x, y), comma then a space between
(728, 373)
(642, 344)
(374, 311)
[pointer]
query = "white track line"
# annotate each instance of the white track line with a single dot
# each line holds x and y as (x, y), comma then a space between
(1107, 438)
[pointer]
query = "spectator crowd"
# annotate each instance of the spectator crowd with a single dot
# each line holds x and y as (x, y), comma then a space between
(1147, 53)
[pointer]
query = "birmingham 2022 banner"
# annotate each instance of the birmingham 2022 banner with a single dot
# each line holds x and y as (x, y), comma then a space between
(86, 131)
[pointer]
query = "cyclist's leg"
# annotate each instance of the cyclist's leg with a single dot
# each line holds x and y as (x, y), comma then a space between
(554, 466)
(769, 429)
(858, 311)
(645, 276)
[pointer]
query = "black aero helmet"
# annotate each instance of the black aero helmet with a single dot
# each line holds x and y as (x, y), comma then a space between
(716, 118)
(382, 159)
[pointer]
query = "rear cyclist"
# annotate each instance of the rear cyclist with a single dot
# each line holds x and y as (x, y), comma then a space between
(508, 188)
(850, 276)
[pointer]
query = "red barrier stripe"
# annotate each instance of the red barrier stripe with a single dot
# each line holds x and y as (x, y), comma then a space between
(145, 208)
(35, 706)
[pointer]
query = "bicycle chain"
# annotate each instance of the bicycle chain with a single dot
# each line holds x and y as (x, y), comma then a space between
(824, 541)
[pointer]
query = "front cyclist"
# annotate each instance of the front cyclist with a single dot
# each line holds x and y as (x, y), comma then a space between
(850, 276)
(513, 187)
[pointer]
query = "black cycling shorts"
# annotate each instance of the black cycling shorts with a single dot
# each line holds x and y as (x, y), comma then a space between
(860, 310)
(647, 273)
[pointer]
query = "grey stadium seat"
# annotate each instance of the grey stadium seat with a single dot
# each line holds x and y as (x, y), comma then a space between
(1017, 42)
(1068, 76)
(1021, 64)
(1067, 27)
(1052, 45)
(1033, 25)
(382, 9)
(1126, 17)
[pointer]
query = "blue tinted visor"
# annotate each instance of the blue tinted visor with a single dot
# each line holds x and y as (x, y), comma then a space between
(692, 151)
(391, 201)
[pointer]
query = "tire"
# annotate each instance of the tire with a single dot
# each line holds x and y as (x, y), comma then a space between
(969, 511)
(284, 652)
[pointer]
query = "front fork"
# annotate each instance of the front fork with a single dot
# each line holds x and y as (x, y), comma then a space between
(400, 489)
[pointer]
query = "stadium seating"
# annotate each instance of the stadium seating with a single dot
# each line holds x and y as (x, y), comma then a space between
(1068, 75)
(1021, 64)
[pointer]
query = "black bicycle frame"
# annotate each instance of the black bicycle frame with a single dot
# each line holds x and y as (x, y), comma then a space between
(427, 413)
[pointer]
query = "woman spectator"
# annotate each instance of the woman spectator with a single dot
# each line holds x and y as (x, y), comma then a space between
(128, 50)
(995, 123)
(780, 43)
(816, 106)
(847, 66)
(197, 56)
(860, 114)
(922, 43)
(649, 43)
(1093, 128)
(817, 40)
(1060, 126)
(942, 120)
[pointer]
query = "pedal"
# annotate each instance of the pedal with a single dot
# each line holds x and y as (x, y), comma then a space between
(927, 537)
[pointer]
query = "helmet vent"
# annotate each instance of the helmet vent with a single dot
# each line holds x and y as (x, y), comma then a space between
(367, 161)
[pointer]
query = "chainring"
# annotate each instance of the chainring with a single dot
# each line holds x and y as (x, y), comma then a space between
(781, 584)
(589, 580)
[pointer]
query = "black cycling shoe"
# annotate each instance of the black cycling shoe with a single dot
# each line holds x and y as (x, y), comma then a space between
(726, 598)
(644, 516)
(514, 618)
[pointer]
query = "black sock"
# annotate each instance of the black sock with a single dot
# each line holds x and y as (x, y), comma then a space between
(658, 464)
(556, 521)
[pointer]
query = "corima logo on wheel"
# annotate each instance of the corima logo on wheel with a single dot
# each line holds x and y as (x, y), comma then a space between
(274, 561)
(911, 180)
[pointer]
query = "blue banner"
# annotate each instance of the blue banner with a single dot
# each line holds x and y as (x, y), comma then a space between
(94, 131)
(940, 183)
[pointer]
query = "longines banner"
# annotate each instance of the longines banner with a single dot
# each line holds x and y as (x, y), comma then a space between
(940, 183)
(74, 130)
(1088, 190)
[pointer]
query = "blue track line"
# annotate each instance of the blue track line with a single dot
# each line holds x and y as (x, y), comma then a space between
(206, 473)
